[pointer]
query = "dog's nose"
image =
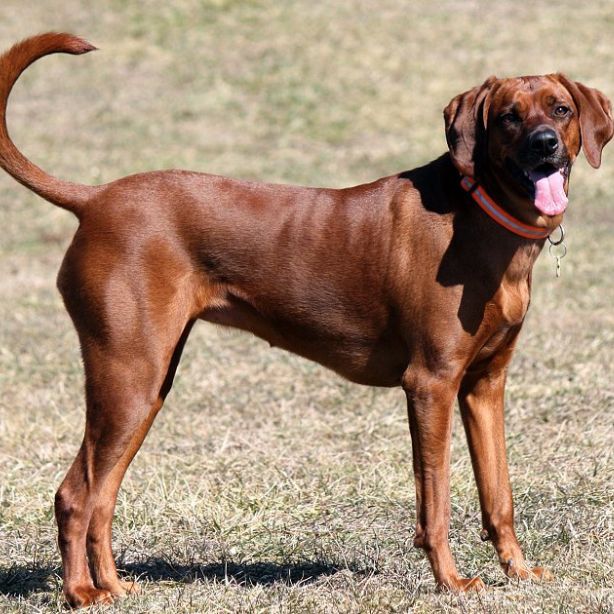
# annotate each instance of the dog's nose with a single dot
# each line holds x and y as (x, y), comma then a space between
(544, 141)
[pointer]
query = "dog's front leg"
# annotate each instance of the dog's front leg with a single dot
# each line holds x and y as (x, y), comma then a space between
(430, 400)
(481, 405)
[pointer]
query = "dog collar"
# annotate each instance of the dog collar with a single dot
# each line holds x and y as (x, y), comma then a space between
(488, 205)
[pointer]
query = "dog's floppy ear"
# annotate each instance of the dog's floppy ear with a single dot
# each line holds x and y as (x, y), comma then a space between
(464, 116)
(595, 115)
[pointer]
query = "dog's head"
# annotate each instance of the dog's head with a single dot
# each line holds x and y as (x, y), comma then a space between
(522, 135)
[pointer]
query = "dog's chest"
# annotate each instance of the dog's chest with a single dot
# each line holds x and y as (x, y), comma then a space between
(511, 302)
(504, 313)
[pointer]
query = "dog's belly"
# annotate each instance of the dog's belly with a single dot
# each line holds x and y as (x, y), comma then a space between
(376, 358)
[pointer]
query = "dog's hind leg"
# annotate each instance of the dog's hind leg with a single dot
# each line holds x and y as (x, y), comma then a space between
(100, 554)
(132, 323)
(124, 391)
(118, 405)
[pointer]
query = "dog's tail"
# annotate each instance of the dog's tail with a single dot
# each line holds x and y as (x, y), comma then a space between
(65, 194)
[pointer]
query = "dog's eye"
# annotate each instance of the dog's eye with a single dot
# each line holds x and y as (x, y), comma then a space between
(509, 118)
(561, 110)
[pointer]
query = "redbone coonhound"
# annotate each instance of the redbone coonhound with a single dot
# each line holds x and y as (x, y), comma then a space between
(420, 280)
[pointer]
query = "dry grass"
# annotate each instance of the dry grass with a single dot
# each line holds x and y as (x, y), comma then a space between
(268, 484)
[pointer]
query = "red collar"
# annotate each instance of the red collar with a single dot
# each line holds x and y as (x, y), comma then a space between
(488, 205)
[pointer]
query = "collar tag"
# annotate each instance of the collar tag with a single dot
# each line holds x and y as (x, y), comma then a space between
(558, 250)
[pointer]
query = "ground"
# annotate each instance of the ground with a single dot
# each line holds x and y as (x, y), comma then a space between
(269, 484)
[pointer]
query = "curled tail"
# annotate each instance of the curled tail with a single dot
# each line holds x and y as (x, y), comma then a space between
(65, 194)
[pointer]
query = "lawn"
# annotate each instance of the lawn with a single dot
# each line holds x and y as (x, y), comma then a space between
(268, 484)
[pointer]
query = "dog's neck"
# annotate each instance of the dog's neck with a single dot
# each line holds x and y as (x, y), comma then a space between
(498, 214)
(511, 256)
(522, 262)
(532, 238)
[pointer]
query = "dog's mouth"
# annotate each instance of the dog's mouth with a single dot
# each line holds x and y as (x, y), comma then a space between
(544, 184)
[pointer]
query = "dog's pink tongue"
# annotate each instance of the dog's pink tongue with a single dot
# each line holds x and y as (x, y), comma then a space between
(550, 197)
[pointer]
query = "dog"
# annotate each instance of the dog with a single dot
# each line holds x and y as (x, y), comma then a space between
(420, 279)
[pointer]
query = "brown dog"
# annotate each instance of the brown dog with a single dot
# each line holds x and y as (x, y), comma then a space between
(415, 280)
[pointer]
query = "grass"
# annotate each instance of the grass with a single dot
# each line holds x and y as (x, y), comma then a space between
(267, 483)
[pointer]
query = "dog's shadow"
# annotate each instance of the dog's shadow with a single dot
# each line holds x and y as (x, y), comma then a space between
(262, 573)
(21, 580)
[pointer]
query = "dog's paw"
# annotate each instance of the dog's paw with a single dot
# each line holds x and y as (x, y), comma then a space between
(524, 572)
(463, 585)
(84, 596)
(120, 588)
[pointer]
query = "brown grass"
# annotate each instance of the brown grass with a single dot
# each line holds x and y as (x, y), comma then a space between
(268, 484)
